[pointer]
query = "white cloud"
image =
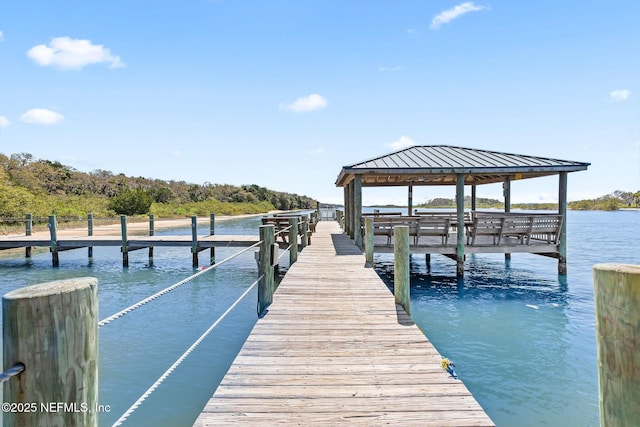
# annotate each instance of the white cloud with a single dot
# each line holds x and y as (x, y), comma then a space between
(1, 36)
(41, 116)
(620, 95)
(403, 142)
(4, 122)
(449, 15)
(68, 53)
(317, 151)
(384, 69)
(307, 103)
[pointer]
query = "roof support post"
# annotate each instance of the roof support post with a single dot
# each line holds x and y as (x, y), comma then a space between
(562, 210)
(350, 217)
(506, 191)
(357, 211)
(460, 227)
(345, 223)
(473, 198)
(410, 199)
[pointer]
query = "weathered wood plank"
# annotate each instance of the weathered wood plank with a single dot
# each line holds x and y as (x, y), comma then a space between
(335, 348)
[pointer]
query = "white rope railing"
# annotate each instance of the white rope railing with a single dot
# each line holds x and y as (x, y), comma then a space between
(177, 363)
(170, 288)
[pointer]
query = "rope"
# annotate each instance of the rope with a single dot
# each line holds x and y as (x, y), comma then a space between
(285, 251)
(11, 372)
(170, 288)
(177, 363)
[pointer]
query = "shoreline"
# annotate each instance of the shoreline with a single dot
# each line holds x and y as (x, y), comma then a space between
(140, 227)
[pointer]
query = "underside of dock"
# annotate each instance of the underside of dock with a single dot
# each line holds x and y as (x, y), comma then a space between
(334, 348)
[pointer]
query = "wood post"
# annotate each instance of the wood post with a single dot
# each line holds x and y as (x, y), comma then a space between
(617, 306)
(368, 241)
(90, 233)
(562, 210)
(357, 211)
(293, 240)
(53, 231)
(27, 232)
(52, 328)
(194, 241)
(506, 191)
(401, 276)
(152, 232)
(460, 228)
(265, 267)
(305, 229)
(410, 199)
(212, 231)
(125, 241)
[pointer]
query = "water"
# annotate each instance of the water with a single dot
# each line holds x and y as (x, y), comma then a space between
(138, 348)
(522, 337)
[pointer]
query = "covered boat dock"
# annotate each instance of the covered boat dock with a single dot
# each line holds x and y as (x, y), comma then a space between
(461, 232)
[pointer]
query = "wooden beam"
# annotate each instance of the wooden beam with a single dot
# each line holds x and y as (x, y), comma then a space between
(401, 273)
(460, 228)
(357, 203)
(506, 190)
(562, 210)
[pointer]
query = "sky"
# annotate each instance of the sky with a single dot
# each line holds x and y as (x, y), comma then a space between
(285, 93)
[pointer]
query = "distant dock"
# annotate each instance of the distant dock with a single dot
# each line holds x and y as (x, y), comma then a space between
(335, 348)
(57, 243)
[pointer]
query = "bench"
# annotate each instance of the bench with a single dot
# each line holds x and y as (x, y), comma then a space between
(418, 227)
(432, 226)
(452, 216)
(524, 227)
(281, 225)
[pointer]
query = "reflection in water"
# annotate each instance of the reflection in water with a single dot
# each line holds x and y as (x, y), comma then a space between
(507, 330)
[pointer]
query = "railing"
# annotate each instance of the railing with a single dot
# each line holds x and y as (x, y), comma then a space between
(36, 346)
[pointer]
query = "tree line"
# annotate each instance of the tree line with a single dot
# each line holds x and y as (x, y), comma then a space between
(614, 201)
(44, 187)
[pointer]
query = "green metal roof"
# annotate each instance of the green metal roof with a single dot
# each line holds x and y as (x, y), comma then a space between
(439, 165)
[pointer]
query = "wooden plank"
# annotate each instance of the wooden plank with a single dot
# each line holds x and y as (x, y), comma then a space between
(335, 348)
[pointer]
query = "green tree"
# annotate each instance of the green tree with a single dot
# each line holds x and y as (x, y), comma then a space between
(131, 202)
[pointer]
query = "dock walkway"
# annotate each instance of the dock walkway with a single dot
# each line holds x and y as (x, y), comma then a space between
(335, 348)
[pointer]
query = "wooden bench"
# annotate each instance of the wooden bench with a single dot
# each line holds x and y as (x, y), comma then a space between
(524, 227)
(452, 216)
(485, 226)
(546, 227)
(432, 226)
(281, 225)
(418, 227)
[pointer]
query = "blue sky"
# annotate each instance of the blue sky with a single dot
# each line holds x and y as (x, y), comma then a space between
(284, 93)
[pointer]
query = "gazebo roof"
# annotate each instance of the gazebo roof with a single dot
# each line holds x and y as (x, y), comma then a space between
(439, 165)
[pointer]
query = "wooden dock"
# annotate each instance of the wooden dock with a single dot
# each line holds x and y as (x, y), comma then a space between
(334, 348)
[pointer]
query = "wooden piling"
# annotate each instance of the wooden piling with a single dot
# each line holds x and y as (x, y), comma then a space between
(368, 241)
(53, 231)
(562, 210)
(265, 267)
(125, 241)
(617, 306)
(401, 277)
(194, 241)
(460, 229)
(52, 328)
(90, 233)
(212, 231)
(293, 241)
(305, 230)
(27, 232)
(152, 232)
